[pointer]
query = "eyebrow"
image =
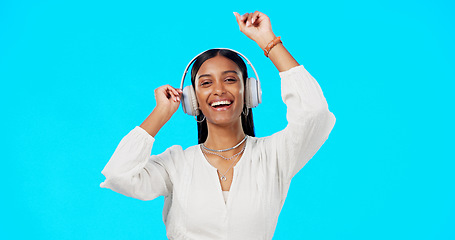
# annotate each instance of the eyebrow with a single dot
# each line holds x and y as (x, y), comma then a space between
(228, 71)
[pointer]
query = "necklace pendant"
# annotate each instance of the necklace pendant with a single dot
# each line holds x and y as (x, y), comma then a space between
(223, 178)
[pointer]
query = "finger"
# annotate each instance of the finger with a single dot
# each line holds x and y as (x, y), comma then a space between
(249, 20)
(175, 94)
(179, 93)
(175, 91)
(255, 16)
(241, 19)
(258, 18)
(169, 89)
(161, 90)
(237, 18)
(172, 95)
(177, 97)
(244, 16)
(166, 90)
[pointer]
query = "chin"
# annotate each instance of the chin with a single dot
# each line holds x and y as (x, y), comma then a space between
(223, 121)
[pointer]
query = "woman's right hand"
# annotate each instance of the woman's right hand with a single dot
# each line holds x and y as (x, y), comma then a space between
(167, 103)
(167, 99)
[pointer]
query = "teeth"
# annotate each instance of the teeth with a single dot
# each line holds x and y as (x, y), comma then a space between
(214, 104)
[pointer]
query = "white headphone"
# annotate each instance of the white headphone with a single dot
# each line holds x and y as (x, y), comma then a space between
(253, 93)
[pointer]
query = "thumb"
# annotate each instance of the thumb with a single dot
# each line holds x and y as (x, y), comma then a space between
(237, 17)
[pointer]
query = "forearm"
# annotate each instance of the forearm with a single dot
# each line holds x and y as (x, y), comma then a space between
(279, 55)
(155, 121)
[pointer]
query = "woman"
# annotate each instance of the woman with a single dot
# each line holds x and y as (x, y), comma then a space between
(231, 185)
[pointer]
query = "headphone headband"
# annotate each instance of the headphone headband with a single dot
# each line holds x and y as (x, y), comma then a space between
(192, 60)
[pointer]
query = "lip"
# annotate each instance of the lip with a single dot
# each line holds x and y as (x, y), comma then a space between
(219, 100)
(221, 108)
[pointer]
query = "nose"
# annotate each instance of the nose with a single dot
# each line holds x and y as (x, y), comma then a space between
(219, 88)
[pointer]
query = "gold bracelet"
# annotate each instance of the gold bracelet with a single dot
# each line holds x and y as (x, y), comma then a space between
(272, 44)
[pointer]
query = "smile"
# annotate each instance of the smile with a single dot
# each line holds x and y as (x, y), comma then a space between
(221, 105)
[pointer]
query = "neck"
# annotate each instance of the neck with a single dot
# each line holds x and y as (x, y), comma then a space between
(222, 137)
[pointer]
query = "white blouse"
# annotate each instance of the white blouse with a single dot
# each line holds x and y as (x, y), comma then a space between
(225, 195)
(195, 206)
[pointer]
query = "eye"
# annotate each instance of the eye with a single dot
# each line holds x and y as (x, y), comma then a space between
(231, 80)
(206, 83)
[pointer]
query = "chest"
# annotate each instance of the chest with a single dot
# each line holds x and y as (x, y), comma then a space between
(206, 205)
(254, 197)
(251, 187)
(224, 170)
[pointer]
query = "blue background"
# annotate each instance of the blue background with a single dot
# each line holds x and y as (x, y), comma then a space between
(76, 76)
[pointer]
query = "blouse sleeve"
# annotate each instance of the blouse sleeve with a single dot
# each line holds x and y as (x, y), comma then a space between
(309, 121)
(131, 170)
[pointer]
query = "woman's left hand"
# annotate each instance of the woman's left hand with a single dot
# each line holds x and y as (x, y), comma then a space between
(256, 26)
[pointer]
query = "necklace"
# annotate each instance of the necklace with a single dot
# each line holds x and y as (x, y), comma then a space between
(223, 157)
(227, 149)
(223, 176)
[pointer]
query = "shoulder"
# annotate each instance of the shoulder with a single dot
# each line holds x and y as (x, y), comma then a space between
(191, 151)
(176, 153)
(263, 142)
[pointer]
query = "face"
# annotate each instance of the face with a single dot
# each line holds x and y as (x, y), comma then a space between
(220, 91)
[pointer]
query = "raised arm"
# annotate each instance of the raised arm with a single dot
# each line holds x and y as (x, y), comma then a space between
(309, 119)
(131, 170)
(258, 28)
(167, 103)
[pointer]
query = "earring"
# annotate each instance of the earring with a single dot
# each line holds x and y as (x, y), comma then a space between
(245, 111)
(195, 118)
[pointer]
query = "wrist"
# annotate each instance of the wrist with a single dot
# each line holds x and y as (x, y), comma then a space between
(265, 39)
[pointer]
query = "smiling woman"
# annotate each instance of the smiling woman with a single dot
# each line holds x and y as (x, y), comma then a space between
(216, 70)
(220, 93)
(232, 185)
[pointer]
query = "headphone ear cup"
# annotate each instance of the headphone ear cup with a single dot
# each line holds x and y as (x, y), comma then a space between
(189, 101)
(253, 93)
